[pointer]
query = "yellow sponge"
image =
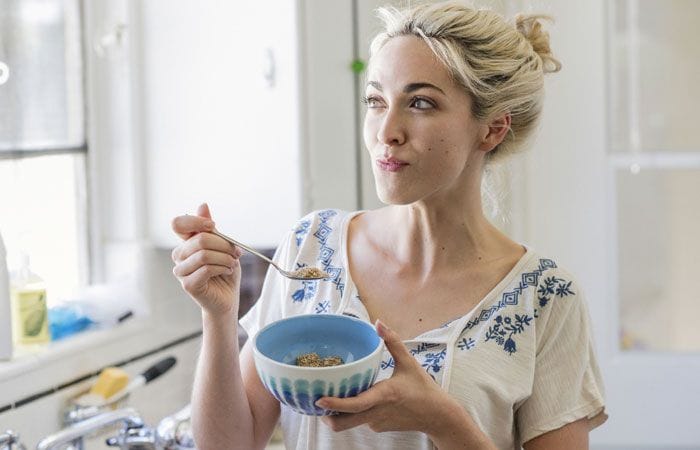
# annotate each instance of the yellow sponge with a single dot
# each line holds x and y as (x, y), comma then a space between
(110, 381)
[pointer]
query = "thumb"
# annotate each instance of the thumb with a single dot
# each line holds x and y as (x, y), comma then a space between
(394, 344)
(203, 211)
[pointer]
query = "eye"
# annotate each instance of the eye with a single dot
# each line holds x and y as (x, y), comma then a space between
(421, 103)
(372, 101)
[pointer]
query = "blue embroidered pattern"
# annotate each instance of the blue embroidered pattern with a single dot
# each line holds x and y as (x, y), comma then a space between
(553, 286)
(305, 293)
(511, 298)
(387, 364)
(433, 361)
(301, 231)
(307, 290)
(323, 307)
(507, 326)
(326, 214)
(326, 253)
(423, 346)
(323, 232)
(466, 344)
(504, 329)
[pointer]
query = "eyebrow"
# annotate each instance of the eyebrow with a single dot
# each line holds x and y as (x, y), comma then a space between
(409, 87)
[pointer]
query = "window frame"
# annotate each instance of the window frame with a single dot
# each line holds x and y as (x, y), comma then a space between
(85, 250)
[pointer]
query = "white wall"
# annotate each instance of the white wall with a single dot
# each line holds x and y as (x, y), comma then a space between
(568, 212)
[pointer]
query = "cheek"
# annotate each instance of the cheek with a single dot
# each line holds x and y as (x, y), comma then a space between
(445, 158)
(369, 133)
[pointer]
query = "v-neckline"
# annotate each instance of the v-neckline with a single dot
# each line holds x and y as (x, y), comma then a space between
(351, 288)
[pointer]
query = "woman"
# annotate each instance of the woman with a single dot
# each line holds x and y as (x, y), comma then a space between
(488, 343)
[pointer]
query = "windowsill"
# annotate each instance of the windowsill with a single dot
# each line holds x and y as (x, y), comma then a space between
(28, 358)
(83, 354)
(171, 316)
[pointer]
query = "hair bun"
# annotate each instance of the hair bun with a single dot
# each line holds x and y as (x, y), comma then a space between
(529, 25)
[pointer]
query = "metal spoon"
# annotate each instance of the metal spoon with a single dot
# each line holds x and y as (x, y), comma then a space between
(299, 274)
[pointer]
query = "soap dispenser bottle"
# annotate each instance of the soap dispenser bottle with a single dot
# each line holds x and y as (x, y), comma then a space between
(29, 309)
(5, 314)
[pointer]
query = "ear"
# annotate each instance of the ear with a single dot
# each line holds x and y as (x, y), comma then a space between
(493, 132)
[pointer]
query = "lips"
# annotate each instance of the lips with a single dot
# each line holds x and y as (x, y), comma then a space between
(391, 164)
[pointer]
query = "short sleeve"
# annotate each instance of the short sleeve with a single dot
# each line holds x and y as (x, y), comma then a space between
(269, 306)
(567, 384)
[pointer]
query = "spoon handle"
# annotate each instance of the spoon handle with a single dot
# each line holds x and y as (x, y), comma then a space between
(243, 246)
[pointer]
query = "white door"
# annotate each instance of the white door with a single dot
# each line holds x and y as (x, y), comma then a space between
(611, 191)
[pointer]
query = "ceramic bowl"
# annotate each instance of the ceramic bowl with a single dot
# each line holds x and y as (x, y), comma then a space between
(277, 346)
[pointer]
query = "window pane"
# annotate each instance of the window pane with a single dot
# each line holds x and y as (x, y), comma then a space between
(654, 73)
(658, 263)
(41, 105)
(42, 213)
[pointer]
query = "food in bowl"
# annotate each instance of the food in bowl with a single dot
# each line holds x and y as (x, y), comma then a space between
(313, 360)
(277, 346)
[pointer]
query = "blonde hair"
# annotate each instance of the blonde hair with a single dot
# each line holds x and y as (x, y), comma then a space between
(500, 65)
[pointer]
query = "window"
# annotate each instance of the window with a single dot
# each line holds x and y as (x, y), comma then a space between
(654, 156)
(42, 140)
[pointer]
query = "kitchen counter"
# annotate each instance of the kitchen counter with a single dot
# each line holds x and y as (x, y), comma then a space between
(35, 387)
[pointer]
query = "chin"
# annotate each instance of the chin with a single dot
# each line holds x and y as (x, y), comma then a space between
(392, 197)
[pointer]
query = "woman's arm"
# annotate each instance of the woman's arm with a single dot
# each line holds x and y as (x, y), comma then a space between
(230, 407)
(458, 431)
(455, 429)
(573, 436)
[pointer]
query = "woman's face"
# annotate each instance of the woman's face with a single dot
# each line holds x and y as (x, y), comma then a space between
(418, 129)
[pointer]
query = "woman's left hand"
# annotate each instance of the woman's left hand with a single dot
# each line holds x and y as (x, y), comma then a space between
(408, 400)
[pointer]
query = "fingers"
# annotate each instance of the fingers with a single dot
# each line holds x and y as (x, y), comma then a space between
(359, 403)
(203, 211)
(394, 344)
(344, 422)
(196, 282)
(203, 241)
(203, 258)
(186, 226)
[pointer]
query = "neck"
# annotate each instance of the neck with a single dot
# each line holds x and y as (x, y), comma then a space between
(443, 232)
(435, 236)
(428, 238)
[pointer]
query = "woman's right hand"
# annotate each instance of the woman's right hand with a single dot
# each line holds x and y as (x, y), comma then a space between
(207, 266)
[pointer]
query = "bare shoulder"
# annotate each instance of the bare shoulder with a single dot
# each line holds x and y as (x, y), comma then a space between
(364, 238)
(367, 226)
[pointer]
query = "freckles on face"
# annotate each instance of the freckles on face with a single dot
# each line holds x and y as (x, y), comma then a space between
(418, 128)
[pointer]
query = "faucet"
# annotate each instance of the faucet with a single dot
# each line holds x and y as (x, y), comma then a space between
(74, 434)
(172, 433)
(134, 439)
(9, 440)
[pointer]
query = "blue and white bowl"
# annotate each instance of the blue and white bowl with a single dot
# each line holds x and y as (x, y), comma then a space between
(277, 346)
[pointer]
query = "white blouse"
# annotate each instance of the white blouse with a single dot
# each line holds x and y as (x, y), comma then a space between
(521, 362)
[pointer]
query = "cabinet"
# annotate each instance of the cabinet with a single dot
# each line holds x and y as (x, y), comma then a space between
(248, 106)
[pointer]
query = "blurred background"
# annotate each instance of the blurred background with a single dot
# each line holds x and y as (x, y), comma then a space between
(117, 115)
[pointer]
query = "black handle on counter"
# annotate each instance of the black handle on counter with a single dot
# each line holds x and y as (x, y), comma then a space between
(159, 368)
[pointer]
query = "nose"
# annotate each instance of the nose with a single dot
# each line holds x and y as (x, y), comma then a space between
(392, 131)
